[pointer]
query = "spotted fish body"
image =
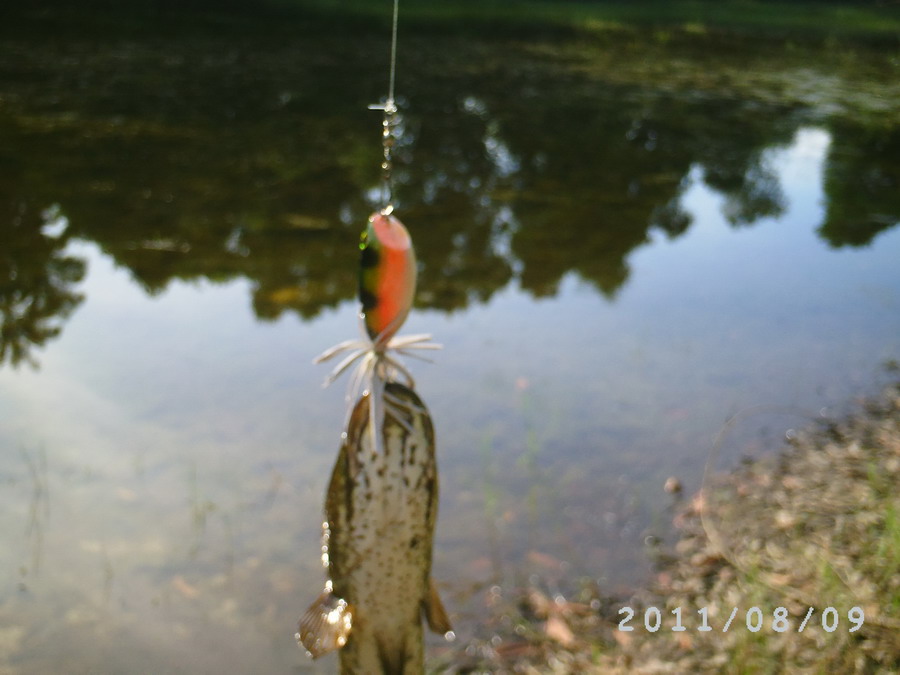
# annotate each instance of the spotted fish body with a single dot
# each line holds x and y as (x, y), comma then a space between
(387, 279)
(380, 511)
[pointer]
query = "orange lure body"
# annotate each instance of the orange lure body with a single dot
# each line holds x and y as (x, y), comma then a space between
(387, 278)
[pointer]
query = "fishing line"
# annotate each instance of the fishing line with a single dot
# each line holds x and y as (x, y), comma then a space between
(389, 123)
(387, 285)
(393, 50)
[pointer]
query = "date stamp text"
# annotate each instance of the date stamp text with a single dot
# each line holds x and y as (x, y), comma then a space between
(753, 619)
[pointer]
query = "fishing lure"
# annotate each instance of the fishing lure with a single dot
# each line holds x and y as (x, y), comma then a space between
(387, 277)
(387, 286)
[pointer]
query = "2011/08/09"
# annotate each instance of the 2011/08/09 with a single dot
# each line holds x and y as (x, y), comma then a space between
(754, 619)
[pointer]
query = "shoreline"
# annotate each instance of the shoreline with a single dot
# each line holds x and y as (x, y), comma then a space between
(808, 536)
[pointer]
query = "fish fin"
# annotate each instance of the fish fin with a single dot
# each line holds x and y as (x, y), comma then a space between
(326, 625)
(435, 614)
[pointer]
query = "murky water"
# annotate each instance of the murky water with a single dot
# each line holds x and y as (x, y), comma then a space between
(616, 254)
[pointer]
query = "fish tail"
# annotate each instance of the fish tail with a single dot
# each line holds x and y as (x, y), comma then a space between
(401, 655)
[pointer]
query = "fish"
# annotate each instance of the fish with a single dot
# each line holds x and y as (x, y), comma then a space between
(387, 287)
(380, 516)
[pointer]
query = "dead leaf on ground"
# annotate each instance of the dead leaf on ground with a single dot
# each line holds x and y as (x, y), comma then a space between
(557, 629)
(180, 584)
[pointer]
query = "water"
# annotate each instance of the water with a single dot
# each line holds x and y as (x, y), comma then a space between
(615, 261)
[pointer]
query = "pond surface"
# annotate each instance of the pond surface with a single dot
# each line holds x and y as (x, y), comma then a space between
(621, 244)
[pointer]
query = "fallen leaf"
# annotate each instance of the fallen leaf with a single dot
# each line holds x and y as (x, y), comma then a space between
(180, 584)
(126, 495)
(684, 640)
(624, 639)
(557, 629)
(544, 559)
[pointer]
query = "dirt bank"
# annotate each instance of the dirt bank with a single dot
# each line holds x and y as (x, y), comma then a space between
(808, 537)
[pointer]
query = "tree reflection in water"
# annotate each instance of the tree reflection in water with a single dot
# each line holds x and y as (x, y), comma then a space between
(36, 280)
(197, 161)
